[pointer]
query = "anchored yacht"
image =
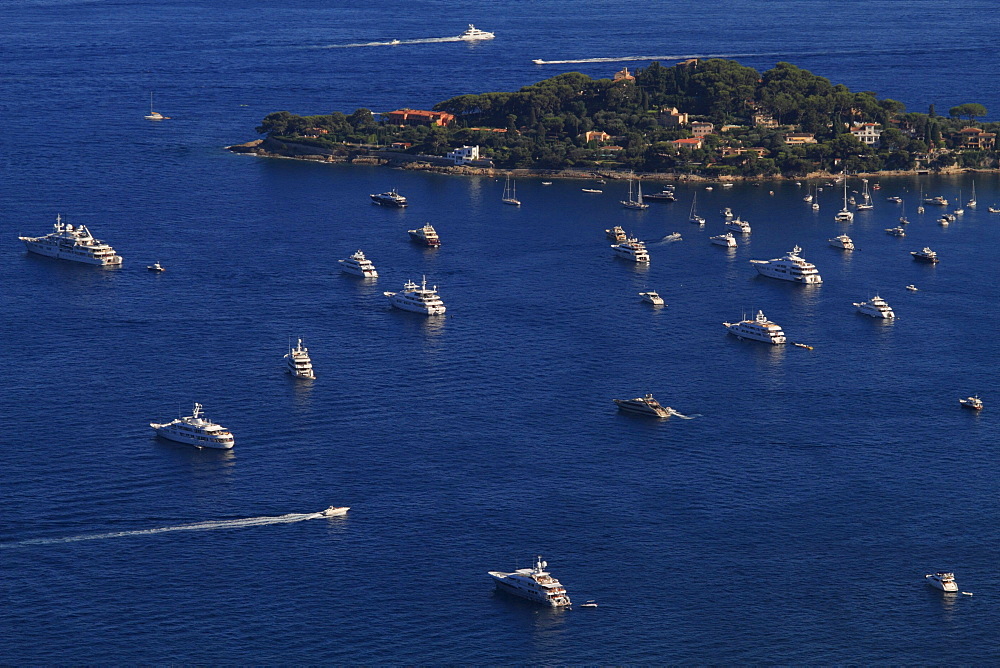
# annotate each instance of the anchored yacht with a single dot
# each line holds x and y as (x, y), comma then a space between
(417, 298)
(844, 215)
(646, 405)
(876, 307)
(631, 249)
(727, 240)
(738, 225)
(896, 231)
(474, 33)
(974, 402)
(73, 243)
(758, 329)
(942, 581)
(939, 200)
(925, 255)
(425, 235)
(534, 584)
(789, 267)
(195, 430)
(652, 297)
(297, 362)
(616, 233)
(842, 241)
(358, 265)
(389, 198)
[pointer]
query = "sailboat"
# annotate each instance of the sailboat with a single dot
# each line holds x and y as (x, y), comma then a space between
(510, 193)
(959, 210)
(154, 115)
(845, 216)
(634, 203)
(867, 204)
(815, 204)
(920, 200)
(693, 217)
(972, 202)
(902, 216)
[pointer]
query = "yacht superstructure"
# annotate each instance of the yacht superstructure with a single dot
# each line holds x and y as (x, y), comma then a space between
(738, 225)
(195, 430)
(425, 235)
(925, 255)
(473, 34)
(942, 581)
(616, 233)
(758, 329)
(534, 584)
(297, 362)
(359, 265)
(417, 298)
(75, 243)
(727, 240)
(842, 241)
(789, 267)
(876, 307)
(631, 249)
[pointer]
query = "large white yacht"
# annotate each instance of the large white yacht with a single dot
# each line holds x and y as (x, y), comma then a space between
(758, 329)
(738, 225)
(632, 249)
(925, 255)
(727, 240)
(842, 241)
(646, 405)
(298, 363)
(943, 581)
(358, 265)
(389, 198)
(789, 267)
(195, 430)
(425, 235)
(616, 233)
(73, 243)
(474, 33)
(534, 584)
(876, 307)
(417, 298)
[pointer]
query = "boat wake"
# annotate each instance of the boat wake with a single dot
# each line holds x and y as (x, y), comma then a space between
(684, 417)
(199, 526)
(670, 238)
(395, 42)
(778, 54)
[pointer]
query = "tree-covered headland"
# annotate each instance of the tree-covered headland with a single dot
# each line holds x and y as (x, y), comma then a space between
(710, 117)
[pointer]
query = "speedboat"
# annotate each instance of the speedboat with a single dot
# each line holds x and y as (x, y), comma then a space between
(993, 209)
(942, 581)
(591, 190)
(974, 402)
(646, 405)
(894, 198)
(651, 298)
(616, 233)
(473, 34)
(912, 288)
(727, 240)
(389, 198)
(842, 241)
(195, 430)
(425, 235)
(546, 183)
(876, 307)
(334, 511)
(925, 255)
(758, 329)
(156, 266)
(534, 584)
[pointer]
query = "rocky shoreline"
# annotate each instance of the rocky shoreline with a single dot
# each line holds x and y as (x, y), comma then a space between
(360, 155)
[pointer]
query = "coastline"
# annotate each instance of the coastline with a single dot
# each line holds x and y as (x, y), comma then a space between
(359, 155)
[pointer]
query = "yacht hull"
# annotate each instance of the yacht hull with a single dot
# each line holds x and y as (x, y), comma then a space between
(55, 252)
(505, 585)
(413, 308)
(765, 271)
(188, 440)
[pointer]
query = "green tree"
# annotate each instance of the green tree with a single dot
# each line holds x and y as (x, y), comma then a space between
(969, 109)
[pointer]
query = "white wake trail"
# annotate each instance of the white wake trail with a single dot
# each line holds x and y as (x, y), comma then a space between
(426, 40)
(198, 526)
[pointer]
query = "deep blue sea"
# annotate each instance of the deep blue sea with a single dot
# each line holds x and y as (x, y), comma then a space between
(791, 521)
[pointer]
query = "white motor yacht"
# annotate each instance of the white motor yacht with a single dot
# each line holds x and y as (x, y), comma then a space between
(534, 584)
(738, 225)
(359, 265)
(417, 298)
(789, 267)
(912, 288)
(876, 307)
(938, 200)
(942, 581)
(76, 244)
(842, 241)
(925, 255)
(473, 34)
(195, 430)
(646, 405)
(727, 240)
(297, 362)
(758, 329)
(631, 249)
(896, 231)
(425, 235)
(389, 198)
(652, 298)
(616, 233)
(156, 266)
(974, 402)
(727, 213)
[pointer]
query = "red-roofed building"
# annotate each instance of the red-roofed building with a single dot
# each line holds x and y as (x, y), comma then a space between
(418, 117)
(976, 138)
(691, 142)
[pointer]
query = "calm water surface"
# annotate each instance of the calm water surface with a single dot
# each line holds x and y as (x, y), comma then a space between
(790, 521)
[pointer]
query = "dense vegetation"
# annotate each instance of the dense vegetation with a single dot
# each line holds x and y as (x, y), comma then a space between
(542, 126)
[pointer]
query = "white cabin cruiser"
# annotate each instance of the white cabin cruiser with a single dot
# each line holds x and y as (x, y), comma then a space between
(758, 329)
(425, 235)
(876, 307)
(417, 298)
(297, 362)
(534, 584)
(195, 430)
(616, 233)
(358, 265)
(738, 225)
(942, 581)
(77, 244)
(335, 511)
(652, 298)
(789, 267)
(974, 402)
(389, 198)
(727, 240)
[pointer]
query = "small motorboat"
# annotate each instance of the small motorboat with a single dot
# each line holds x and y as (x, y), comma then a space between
(942, 581)
(546, 183)
(974, 402)
(156, 266)
(803, 345)
(591, 190)
(592, 604)
(651, 298)
(911, 288)
(334, 511)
